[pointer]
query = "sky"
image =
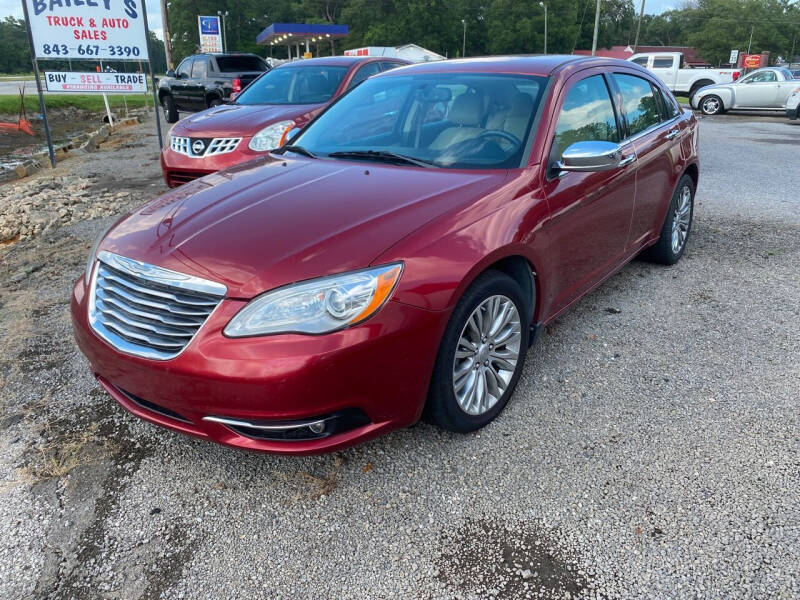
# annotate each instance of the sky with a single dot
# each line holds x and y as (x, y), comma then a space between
(14, 8)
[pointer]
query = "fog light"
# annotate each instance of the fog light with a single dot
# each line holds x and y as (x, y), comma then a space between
(317, 427)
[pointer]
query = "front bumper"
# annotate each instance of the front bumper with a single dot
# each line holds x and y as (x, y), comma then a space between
(179, 169)
(380, 369)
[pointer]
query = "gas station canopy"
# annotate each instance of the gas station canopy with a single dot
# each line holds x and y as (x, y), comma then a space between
(299, 33)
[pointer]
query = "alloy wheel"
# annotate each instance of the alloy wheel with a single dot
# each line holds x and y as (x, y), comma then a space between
(711, 106)
(681, 219)
(487, 354)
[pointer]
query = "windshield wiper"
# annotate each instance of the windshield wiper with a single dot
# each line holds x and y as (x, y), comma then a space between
(298, 150)
(382, 155)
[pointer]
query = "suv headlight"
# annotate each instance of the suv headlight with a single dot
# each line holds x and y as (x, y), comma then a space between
(317, 306)
(269, 138)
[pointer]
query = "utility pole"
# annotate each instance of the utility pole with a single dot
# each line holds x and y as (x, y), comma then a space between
(544, 4)
(638, 28)
(166, 34)
(596, 28)
(222, 15)
(464, 41)
(750, 44)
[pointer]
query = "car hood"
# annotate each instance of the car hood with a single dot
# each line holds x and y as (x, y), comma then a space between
(270, 221)
(235, 120)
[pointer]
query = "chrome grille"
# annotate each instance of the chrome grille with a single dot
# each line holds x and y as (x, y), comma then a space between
(212, 147)
(146, 310)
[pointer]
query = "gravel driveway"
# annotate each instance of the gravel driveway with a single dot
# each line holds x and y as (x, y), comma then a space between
(652, 449)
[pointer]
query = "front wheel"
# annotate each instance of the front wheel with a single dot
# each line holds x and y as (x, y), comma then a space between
(677, 225)
(481, 355)
(170, 110)
(711, 105)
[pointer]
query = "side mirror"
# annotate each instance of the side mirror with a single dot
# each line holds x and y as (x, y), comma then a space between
(171, 73)
(590, 156)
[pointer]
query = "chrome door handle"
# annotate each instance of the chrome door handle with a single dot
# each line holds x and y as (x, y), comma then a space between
(627, 160)
(673, 134)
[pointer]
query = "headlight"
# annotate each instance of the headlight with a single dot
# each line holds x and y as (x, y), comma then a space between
(93, 252)
(269, 138)
(319, 305)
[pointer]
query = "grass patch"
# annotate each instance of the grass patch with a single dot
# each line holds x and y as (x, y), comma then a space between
(684, 100)
(9, 104)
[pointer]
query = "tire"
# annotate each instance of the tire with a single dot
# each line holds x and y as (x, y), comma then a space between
(170, 110)
(678, 222)
(214, 102)
(492, 292)
(711, 105)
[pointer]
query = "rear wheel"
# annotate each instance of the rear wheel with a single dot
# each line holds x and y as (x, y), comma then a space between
(481, 355)
(214, 102)
(677, 226)
(170, 110)
(711, 105)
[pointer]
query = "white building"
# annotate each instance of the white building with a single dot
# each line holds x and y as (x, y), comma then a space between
(410, 52)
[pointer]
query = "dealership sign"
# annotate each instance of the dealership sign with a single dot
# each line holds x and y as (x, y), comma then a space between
(210, 35)
(751, 61)
(118, 83)
(88, 29)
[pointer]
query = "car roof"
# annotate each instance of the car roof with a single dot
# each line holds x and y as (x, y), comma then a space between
(341, 61)
(544, 64)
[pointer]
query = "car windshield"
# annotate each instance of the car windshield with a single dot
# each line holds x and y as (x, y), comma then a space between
(449, 120)
(294, 85)
(234, 64)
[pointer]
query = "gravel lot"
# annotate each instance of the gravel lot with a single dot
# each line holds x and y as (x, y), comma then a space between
(652, 449)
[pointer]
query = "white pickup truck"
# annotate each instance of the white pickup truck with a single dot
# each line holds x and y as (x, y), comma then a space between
(669, 68)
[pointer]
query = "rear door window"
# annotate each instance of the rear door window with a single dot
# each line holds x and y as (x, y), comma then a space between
(662, 62)
(388, 66)
(639, 103)
(587, 114)
(363, 72)
(668, 104)
(200, 67)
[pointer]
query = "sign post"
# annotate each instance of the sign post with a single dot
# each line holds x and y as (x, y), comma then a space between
(51, 151)
(734, 57)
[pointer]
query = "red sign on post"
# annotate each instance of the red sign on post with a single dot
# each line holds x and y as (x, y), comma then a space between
(751, 61)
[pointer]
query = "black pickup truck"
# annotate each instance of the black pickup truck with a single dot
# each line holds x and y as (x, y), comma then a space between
(205, 80)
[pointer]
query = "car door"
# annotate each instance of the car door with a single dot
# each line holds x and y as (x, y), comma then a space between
(655, 137)
(786, 85)
(178, 85)
(196, 85)
(590, 211)
(758, 90)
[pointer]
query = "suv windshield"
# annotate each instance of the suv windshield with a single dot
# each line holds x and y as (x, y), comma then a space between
(450, 120)
(234, 64)
(294, 85)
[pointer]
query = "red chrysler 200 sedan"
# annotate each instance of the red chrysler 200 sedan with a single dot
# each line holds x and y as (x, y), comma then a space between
(395, 259)
(286, 97)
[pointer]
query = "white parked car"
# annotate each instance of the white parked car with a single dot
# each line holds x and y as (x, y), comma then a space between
(763, 89)
(668, 66)
(793, 103)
